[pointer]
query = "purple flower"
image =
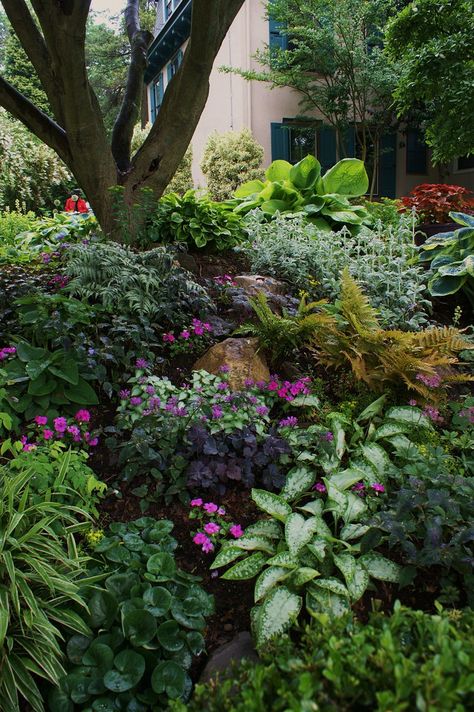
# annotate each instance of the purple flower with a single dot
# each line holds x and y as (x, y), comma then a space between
(141, 363)
(289, 422)
(217, 412)
(412, 402)
(200, 538)
(154, 403)
(236, 531)
(221, 511)
(329, 437)
(73, 430)
(320, 487)
(223, 386)
(249, 382)
(210, 507)
(41, 420)
(168, 338)
(60, 425)
(185, 334)
(359, 488)
(82, 416)
(150, 390)
(433, 381)
(207, 546)
(224, 368)
(377, 487)
(135, 400)
(211, 528)
(124, 394)
(196, 502)
(261, 410)
(94, 442)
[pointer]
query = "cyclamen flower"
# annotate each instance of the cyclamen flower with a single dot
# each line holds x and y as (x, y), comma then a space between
(211, 528)
(135, 400)
(141, 363)
(377, 487)
(60, 425)
(41, 420)
(124, 394)
(236, 531)
(210, 507)
(196, 502)
(289, 422)
(82, 416)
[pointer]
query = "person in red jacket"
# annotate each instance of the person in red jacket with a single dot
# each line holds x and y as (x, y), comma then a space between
(76, 203)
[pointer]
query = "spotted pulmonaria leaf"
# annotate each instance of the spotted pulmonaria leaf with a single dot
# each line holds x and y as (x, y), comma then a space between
(226, 556)
(277, 613)
(298, 481)
(380, 568)
(271, 504)
(246, 569)
(298, 532)
(268, 579)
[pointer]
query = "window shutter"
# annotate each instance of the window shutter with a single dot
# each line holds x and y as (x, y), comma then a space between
(326, 148)
(180, 57)
(416, 152)
(388, 166)
(349, 143)
(280, 142)
(151, 94)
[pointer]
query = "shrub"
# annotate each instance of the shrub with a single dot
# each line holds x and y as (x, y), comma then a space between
(434, 201)
(182, 181)
(410, 660)
(135, 284)
(31, 171)
(451, 255)
(39, 573)
(12, 223)
(196, 221)
(229, 159)
(380, 260)
(146, 625)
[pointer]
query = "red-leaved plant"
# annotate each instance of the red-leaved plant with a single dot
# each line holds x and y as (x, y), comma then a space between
(434, 201)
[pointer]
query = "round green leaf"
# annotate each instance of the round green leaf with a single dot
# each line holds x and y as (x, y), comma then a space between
(99, 655)
(102, 609)
(348, 177)
(169, 636)
(162, 566)
(169, 677)
(139, 627)
(157, 600)
(130, 667)
(278, 170)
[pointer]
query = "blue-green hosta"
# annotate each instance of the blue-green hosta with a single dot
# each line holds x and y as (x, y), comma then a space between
(324, 199)
(306, 553)
(451, 255)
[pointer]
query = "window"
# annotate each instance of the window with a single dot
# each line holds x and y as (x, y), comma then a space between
(302, 141)
(465, 163)
(170, 7)
(416, 153)
(174, 64)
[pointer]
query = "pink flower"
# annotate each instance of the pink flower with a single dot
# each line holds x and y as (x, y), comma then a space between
(94, 442)
(60, 425)
(207, 546)
(320, 487)
(168, 338)
(196, 502)
(210, 507)
(185, 334)
(217, 412)
(236, 531)
(48, 434)
(28, 447)
(41, 420)
(289, 422)
(150, 390)
(211, 528)
(221, 511)
(272, 386)
(82, 416)
(261, 410)
(198, 330)
(412, 402)
(73, 429)
(377, 487)
(200, 538)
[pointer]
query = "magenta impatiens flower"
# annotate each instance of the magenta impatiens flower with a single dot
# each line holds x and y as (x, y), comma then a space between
(210, 507)
(48, 434)
(82, 416)
(185, 334)
(168, 338)
(320, 487)
(41, 420)
(196, 502)
(236, 531)
(377, 487)
(207, 546)
(200, 538)
(211, 528)
(60, 425)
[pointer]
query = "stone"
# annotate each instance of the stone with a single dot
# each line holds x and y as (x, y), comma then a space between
(242, 357)
(252, 284)
(187, 261)
(236, 650)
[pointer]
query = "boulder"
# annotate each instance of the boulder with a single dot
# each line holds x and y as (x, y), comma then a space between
(252, 284)
(221, 660)
(241, 356)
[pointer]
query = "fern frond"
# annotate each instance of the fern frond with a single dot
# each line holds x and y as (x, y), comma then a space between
(355, 306)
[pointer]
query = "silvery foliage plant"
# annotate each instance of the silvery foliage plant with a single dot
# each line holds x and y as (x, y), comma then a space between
(379, 258)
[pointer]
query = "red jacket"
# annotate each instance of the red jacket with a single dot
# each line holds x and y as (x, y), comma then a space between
(73, 207)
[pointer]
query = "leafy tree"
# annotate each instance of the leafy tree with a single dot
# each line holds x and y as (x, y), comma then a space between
(19, 71)
(230, 159)
(433, 40)
(53, 35)
(335, 61)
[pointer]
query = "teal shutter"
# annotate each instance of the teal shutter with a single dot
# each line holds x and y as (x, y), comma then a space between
(280, 142)
(349, 143)
(169, 70)
(277, 39)
(416, 153)
(180, 57)
(152, 102)
(388, 166)
(326, 148)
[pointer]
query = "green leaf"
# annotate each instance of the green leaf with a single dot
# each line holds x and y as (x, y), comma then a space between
(169, 677)
(250, 188)
(226, 556)
(102, 609)
(139, 627)
(35, 368)
(162, 566)
(408, 414)
(82, 393)
(277, 613)
(380, 568)
(264, 527)
(278, 171)
(302, 575)
(298, 481)
(348, 177)
(267, 580)
(99, 656)
(377, 457)
(246, 569)
(271, 504)
(67, 369)
(157, 601)
(130, 667)
(319, 600)
(299, 531)
(169, 636)
(441, 286)
(26, 353)
(304, 174)
(284, 559)
(375, 408)
(254, 543)
(332, 584)
(272, 206)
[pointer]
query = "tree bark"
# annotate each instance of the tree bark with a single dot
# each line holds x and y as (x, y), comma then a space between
(54, 41)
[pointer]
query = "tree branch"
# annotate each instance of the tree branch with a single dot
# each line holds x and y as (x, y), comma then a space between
(184, 99)
(130, 109)
(35, 120)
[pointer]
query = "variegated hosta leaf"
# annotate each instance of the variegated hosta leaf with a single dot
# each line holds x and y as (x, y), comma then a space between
(265, 527)
(278, 612)
(302, 576)
(376, 457)
(317, 547)
(254, 543)
(380, 567)
(331, 584)
(353, 531)
(298, 481)
(324, 601)
(271, 504)
(314, 507)
(246, 569)
(285, 559)
(267, 579)
(225, 556)
(408, 414)
(299, 531)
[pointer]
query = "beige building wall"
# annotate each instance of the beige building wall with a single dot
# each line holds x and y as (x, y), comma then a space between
(235, 103)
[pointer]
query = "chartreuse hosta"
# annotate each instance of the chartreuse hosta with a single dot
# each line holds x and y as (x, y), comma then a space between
(309, 551)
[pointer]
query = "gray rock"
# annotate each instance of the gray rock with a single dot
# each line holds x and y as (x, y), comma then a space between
(252, 284)
(236, 650)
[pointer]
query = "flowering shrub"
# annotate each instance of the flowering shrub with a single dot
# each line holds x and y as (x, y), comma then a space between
(434, 201)
(74, 432)
(214, 525)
